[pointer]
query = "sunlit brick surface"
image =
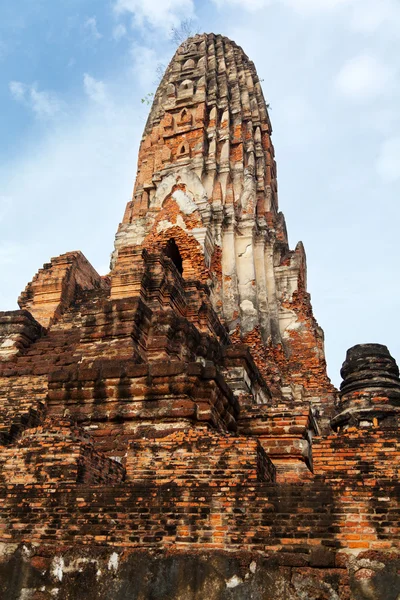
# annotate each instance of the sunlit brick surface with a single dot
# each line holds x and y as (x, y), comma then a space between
(168, 431)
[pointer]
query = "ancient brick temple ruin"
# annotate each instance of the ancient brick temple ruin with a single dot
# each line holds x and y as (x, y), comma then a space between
(169, 431)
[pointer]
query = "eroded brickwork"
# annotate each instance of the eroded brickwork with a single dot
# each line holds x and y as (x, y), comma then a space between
(169, 431)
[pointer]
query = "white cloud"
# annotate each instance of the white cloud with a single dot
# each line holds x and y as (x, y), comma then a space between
(119, 32)
(18, 90)
(145, 62)
(44, 104)
(250, 5)
(361, 15)
(364, 16)
(95, 89)
(315, 5)
(72, 182)
(161, 15)
(364, 77)
(91, 27)
(303, 6)
(388, 162)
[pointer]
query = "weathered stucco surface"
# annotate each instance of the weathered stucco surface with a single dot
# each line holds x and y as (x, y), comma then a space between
(169, 431)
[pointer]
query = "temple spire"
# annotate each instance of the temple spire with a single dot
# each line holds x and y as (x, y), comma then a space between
(207, 180)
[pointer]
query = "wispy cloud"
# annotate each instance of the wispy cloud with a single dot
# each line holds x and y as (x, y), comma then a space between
(44, 104)
(145, 63)
(305, 6)
(302, 6)
(90, 26)
(250, 5)
(161, 15)
(119, 31)
(79, 173)
(360, 15)
(18, 90)
(95, 89)
(364, 77)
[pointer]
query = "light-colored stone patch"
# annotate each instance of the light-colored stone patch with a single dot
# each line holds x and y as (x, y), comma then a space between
(134, 234)
(248, 307)
(247, 252)
(164, 224)
(184, 201)
(288, 322)
(234, 581)
(27, 593)
(113, 562)
(7, 550)
(253, 566)
(193, 185)
(7, 343)
(57, 567)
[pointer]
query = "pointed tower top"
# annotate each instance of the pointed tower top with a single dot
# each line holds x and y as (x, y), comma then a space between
(213, 69)
(208, 130)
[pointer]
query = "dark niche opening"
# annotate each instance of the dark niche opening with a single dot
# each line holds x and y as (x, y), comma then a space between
(172, 251)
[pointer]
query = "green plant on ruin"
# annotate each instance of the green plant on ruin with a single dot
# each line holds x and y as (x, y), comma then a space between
(147, 99)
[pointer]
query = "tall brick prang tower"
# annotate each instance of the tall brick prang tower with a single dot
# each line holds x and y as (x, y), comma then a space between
(168, 431)
(207, 180)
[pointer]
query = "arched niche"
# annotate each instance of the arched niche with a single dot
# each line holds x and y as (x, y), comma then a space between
(185, 118)
(185, 247)
(186, 89)
(183, 150)
(172, 251)
(185, 190)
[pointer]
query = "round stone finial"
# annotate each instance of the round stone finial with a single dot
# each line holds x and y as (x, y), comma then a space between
(368, 365)
(370, 390)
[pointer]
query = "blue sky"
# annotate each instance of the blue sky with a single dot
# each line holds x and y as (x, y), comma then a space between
(72, 75)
